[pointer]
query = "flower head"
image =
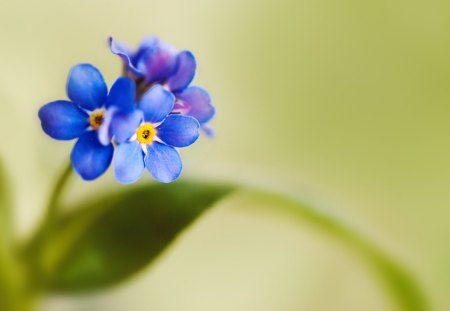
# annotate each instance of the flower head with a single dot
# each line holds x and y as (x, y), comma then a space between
(148, 141)
(156, 62)
(146, 115)
(81, 117)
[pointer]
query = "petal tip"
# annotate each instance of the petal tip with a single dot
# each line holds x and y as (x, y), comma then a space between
(90, 159)
(86, 86)
(163, 162)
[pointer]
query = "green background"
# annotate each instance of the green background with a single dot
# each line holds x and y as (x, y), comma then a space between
(342, 103)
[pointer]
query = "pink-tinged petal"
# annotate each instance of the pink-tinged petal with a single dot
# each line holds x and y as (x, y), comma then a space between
(197, 103)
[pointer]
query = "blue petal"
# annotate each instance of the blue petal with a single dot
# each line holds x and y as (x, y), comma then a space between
(86, 87)
(124, 125)
(128, 162)
(198, 103)
(156, 103)
(119, 125)
(184, 72)
(179, 131)
(63, 120)
(163, 162)
(126, 54)
(122, 95)
(90, 159)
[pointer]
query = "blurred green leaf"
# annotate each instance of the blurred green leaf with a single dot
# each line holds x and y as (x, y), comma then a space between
(106, 241)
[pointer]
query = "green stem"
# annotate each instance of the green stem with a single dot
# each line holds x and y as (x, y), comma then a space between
(52, 213)
(53, 203)
(33, 251)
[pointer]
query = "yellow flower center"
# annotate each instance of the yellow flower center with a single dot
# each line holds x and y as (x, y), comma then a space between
(145, 133)
(96, 118)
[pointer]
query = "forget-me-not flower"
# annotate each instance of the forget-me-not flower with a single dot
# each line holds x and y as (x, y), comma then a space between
(81, 118)
(148, 137)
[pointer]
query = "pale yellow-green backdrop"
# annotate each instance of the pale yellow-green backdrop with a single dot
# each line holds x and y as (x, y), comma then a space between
(343, 103)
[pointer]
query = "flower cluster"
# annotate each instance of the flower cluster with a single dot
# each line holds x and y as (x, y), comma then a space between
(149, 112)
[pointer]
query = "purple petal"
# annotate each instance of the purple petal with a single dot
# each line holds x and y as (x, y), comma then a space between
(86, 87)
(163, 162)
(147, 46)
(128, 162)
(156, 104)
(179, 131)
(126, 54)
(197, 103)
(184, 72)
(63, 120)
(122, 95)
(90, 159)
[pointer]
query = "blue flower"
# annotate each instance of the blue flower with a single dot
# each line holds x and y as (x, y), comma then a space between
(156, 62)
(148, 133)
(81, 117)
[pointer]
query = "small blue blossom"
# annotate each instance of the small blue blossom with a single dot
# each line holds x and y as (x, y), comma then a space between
(156, 62)
(148, 133)
(81, 117)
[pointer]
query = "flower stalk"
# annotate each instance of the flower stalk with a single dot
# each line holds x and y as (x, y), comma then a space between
(53, 202)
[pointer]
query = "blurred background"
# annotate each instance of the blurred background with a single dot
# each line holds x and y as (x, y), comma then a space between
(345, 104)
